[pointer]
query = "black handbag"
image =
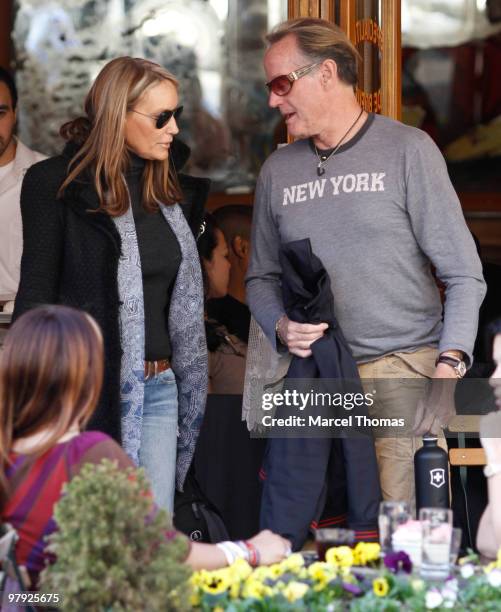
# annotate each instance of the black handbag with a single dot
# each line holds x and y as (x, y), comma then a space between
(196, 516)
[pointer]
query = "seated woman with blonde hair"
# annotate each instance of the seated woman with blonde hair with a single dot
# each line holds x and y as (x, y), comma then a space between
(489, 531)
(51, 371)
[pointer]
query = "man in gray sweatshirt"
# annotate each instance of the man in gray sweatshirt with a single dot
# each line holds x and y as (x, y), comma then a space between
(375, 200)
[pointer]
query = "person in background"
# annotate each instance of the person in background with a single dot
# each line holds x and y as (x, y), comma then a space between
(43, 410)
(227, 352)
(489, 530)
(15, 159)
(235, 222)
(105, 228)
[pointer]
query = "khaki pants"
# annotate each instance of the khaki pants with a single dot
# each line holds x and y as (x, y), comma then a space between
(395, 456)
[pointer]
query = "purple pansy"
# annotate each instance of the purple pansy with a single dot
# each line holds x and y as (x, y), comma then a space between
(354, 589)
(398, 562)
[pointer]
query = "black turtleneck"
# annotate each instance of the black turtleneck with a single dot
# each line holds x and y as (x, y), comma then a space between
(160, 258)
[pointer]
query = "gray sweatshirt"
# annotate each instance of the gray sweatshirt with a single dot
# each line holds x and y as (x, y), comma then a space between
(383, 210)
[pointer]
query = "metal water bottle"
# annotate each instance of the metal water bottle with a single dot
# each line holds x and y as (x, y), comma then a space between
(431, 471)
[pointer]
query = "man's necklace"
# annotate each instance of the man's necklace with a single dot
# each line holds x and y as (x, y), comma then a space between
(322, 159)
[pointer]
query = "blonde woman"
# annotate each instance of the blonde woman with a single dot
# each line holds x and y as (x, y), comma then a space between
(105, 230)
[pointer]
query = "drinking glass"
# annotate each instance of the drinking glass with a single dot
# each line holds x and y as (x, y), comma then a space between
(437, 536)
(456, 538)
(391, 515)
(329, 537)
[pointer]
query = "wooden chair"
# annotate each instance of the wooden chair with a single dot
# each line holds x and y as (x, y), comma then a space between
(464, 458)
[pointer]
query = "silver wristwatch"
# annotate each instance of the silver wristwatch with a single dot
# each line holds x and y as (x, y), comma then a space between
(458, 364)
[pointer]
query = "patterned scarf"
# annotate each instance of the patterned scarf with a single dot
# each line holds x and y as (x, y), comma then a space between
(186, 332)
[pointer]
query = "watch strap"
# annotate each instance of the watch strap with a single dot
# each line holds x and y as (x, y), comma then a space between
(458, 364)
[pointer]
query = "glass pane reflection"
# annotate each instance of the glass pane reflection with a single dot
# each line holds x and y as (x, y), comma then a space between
(213, 47)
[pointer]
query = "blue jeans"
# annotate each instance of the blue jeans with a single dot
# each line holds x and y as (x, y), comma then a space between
(157, 454)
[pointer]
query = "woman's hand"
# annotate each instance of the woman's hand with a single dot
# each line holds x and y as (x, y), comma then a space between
(272, 548)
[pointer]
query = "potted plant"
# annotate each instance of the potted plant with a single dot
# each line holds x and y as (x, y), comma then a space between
(113, 552)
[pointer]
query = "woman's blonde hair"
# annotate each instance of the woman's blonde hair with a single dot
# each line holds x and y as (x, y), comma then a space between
(51, 372)
(318, 40)
(101, 134)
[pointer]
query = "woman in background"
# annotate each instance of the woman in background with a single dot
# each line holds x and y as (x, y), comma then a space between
(227, 353)
(489, 530)
(51, 371)
(105, 229)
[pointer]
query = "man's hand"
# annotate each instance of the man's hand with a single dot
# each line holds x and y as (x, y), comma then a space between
(298, 337)
(443, 370)
(436, 410)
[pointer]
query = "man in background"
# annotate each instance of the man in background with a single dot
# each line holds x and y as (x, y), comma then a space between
(15, 159)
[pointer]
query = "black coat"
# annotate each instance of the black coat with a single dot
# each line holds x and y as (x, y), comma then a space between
(71, 256)
(301, 472)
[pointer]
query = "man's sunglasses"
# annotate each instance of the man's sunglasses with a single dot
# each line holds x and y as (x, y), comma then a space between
(281, 85)
(164, 117)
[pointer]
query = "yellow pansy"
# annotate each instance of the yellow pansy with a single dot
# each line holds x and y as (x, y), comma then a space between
(241, 569)
(216, 583)
(320, 585)
(261, 573)
(295, 590)
(275, 571)
(322, 574)
(321, 571)
(344, 572)
(198, 578)
(255, 589)
(366, 552)
(380, 587)
(359, 556)
(292, 562)
(235, 590)
(339, 556)
(372, 550)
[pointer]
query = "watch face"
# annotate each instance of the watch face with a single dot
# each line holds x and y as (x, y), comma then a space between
(461, 369)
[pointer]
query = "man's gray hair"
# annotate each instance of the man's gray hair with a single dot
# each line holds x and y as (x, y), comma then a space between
(319, 40)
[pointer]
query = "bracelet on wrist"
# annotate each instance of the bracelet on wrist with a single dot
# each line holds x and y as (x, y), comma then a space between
(228, 553)
(254, 556)
(234, 550)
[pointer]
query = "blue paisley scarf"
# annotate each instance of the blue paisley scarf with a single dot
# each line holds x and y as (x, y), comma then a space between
(187, 336)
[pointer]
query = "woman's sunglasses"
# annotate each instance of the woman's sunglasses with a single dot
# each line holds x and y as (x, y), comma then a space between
(281, 85)
(164, 117)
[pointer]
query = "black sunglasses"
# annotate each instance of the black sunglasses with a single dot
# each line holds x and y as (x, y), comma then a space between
(282, 84)
(164, 117)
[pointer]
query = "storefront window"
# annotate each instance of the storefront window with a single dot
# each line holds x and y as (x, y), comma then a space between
(451, 58)
(213, 47)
